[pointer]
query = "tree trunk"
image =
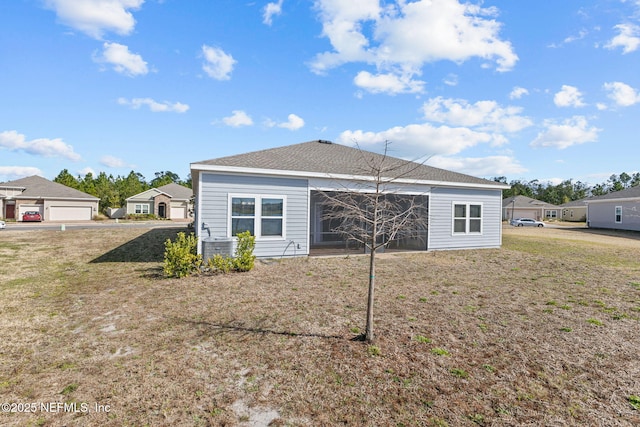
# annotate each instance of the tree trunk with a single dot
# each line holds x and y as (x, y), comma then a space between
(372, 272)
(372, 282)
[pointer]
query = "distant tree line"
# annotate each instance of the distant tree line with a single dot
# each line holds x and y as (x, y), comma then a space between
(114, 191)
(569, 190)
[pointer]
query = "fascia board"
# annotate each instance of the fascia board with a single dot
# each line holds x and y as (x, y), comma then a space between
(348, 177)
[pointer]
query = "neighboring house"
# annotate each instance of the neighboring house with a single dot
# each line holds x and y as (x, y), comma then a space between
(575, 211)
(526, 207)
(619, 210)
(55, 202)
(171, 201)
(276, 193)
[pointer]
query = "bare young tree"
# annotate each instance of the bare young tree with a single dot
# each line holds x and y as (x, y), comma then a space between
(378, 212)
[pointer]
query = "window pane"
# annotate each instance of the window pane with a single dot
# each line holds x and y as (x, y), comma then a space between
(272, 207)
(460, 211)
(475, 211)
(240, 225)
(459, 226)
(475, 226)
(243, 206)
(271, 227)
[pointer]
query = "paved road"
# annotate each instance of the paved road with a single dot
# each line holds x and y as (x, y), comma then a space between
(30, 226)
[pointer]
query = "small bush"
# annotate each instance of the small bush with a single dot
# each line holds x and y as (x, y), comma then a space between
(220, 264)
(141, 217)
(244, 259)
(180, 257)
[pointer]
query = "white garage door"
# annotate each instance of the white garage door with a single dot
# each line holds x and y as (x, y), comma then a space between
(70, 213)
(178, 213)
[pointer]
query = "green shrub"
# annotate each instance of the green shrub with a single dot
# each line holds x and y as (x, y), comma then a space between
(220, 264)
(180, 257)
(244, 258)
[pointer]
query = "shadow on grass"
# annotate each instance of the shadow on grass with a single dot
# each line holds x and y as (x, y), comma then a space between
(148, 247)
(220, 328)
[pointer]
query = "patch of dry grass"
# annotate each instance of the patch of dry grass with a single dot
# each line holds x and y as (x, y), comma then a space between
(491, 337)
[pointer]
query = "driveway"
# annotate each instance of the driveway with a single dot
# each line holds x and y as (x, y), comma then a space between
(629, 239)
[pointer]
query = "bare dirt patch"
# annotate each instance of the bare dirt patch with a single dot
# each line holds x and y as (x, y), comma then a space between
(541, 332)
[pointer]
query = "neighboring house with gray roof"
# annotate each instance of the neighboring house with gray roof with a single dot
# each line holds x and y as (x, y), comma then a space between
(575, 211)
(526, 207)
(275, 193)
(54, 201)
(619, 210)
(171, 201)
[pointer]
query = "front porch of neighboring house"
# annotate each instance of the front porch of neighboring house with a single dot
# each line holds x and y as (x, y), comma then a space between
(325, 240)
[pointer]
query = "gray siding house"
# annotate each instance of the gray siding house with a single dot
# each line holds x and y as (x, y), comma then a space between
(526, 207)
(619, 210)
(276, 194)
(171, 201)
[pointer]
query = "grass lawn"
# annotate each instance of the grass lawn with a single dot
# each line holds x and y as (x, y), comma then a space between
(545, 331)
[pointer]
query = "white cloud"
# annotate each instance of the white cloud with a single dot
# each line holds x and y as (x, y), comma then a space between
(218, 64)
(95, 17)
(123, 61)
(569, 96)
(572, 131)
(86, 171)
(403, 36)
(113, 162)
(271, 10)
(518, 92)
(623, 94)
(628, 38)
(154, 106)
(294, 122)
(424, 139)
(14, 141)
(388, 83)
(9, 173)
(479, 166)
(237, 119)
(451, 80)
(483, 115)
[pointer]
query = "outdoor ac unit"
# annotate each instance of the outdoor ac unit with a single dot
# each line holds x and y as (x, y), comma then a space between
(216, 245)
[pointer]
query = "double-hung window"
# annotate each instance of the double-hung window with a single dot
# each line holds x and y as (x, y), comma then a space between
(262, 216)
(618, 214)
(142, 208)
(467, 218)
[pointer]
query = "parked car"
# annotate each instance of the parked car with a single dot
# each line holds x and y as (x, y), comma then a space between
(32, 216)
(2, 225)
(521, 222)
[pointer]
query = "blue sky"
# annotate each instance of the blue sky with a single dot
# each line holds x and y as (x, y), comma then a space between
(546, 90)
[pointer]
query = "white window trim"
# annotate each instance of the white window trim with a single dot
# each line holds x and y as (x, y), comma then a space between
(257, 225)
(142, 206)
(468, 218)
(615, 214)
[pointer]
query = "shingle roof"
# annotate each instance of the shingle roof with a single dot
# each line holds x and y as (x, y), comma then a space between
(526, 202)
(37, 187)
(177, 191)
(627, 193)
(574, 203)
(324, 157)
